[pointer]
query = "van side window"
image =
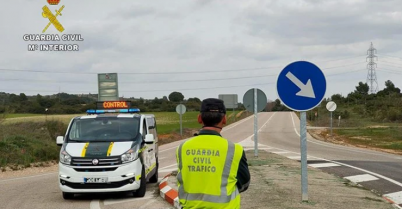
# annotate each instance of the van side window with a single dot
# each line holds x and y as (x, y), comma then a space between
(144, 129)
(152, 126)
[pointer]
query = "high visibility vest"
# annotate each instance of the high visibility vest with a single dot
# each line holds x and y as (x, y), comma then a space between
(207, 172)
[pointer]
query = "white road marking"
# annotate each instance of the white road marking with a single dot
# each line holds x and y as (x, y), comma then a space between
(113, 201)
(396, 197)
(237, 123)
(168, 166)
(247, 142)
(94, 204)
(294, 157)
(167, 170)
(26, 177)
(323, 165)
(161, 158)
(343, 147)
(148, 203)
(361, 178)
(167, 149)
(280, 152)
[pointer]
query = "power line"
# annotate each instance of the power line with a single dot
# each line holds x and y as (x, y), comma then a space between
(144, 73)
(174, 81)
(164, 81)
(343, 65)
(185, 89)
(390, 71)
(391, 56)
(163, 73)
(342, 59)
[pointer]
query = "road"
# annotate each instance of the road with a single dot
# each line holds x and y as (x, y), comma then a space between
(278, 133)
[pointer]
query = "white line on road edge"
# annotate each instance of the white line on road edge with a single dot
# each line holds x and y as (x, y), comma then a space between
(167, 149)
(167, 170)
(94, 204)
(27, 177)
(260, 128)
(168, 166)
(323, 165)
(111, 202)
(148, 203)
(354, 167)
(337, 147)
(240, 122)
(350, 166)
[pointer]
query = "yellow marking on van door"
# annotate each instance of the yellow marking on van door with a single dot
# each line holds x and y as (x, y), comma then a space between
(109, 151)
(84, 150)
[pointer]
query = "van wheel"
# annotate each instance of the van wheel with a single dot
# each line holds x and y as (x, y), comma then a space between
(68, 196)
(154, 178)
(143, 185)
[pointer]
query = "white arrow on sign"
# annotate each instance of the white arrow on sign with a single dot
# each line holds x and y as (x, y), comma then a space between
(306, 90)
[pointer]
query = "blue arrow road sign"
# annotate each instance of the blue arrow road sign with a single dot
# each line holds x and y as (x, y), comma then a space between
(301, 86)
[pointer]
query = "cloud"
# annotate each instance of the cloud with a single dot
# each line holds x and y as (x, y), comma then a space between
(309, 22)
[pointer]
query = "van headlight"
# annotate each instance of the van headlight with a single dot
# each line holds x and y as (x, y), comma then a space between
(65, 158)
(129, 156)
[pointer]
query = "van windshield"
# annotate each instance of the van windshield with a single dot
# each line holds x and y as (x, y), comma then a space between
(104, 129)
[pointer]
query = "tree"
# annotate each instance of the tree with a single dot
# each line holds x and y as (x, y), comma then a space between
(176, 97)
(23, 97)
(362, 88)
(195, 99)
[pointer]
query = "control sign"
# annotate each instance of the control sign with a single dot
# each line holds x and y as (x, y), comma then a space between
(301, 86)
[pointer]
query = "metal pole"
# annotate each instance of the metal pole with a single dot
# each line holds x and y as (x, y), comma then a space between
(181, 126)
(303, 155)
(255, 124)
(331, 123)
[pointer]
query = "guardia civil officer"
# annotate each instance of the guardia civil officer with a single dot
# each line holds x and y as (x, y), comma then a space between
(212, 171)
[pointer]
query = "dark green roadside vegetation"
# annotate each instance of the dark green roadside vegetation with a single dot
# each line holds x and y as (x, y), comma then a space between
(25, 143)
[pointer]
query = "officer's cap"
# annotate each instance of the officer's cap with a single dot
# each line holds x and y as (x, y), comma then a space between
(213, 105)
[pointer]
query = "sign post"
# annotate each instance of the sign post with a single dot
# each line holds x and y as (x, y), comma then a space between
(301, 87)
(181, 109)
(255, 101)
(331, 106)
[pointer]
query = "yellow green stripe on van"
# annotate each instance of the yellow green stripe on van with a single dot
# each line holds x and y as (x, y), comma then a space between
(109, 150)
(84, 150)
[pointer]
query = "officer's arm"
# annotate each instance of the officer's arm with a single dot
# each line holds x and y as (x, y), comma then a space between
(243, 174)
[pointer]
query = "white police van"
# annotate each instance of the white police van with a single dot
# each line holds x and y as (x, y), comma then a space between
(109, 152)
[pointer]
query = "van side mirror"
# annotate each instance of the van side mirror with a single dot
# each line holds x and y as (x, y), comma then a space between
(60, 140)
(149, 139)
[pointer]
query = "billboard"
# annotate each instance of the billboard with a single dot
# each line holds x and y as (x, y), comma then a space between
(230, 100)
(108, 89)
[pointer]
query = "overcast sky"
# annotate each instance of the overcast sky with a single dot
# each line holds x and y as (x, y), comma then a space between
(246, 43)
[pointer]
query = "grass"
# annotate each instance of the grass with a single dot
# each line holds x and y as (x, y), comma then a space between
(167, 122)
(381, 137)
(19, 115)
(29, 142)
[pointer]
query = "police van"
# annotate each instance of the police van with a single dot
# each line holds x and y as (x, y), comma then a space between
(104, 152)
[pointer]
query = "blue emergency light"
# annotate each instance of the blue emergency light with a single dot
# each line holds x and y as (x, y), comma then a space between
(131, 110)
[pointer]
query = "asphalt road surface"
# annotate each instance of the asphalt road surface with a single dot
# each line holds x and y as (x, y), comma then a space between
(278, 132)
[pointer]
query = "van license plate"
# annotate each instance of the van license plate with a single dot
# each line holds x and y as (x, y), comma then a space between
(95, 180)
